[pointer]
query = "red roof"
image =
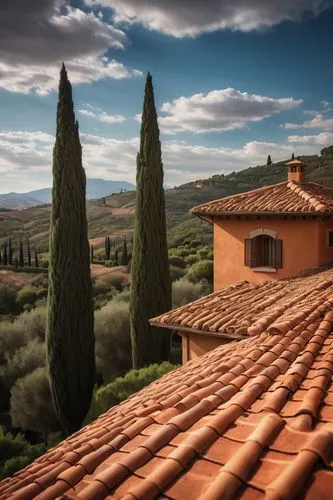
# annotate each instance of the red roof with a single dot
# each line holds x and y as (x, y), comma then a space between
(251, 419)
(284, 198)
(247, 308)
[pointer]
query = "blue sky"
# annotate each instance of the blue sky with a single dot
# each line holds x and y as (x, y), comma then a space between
(234, 81)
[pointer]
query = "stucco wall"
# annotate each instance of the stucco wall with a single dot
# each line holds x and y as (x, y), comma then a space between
(304, 246)
(194, 345)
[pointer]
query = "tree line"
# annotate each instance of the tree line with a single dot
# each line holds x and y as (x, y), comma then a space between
(19, 257)
(111, 252)
(70, 342)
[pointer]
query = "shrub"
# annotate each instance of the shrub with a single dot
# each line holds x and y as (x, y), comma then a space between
(177, 262)
(117, 282)
(8, 303)
(195, 243)
(31, 403)
(201, 270)
(102, 288)
(27, 296)
(183, 291)
(176, 273)
(191, 259)
(123, 296)
(113, 340)
(122, 387)
(16, 453)
(24, 361)
(203, 252)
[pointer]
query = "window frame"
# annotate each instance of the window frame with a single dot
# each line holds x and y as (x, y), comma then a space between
(329, 232)
(276, 251)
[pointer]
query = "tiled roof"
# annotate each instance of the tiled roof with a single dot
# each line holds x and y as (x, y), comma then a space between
(245, 308)
(251, 419)
(285, 197)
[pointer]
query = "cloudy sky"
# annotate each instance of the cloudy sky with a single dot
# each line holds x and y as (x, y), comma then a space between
(234, 80)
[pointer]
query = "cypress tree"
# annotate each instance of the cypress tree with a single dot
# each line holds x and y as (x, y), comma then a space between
(150, 285)
(29, 254)
(21, 257)
(36, 258)
(5, 261)
(269, 161)
(116, 257)
(16, 263)
(124, 255)
(106, 247)
(92, 254)
(70, 317)
(109, 248)
(0, 257)
(293, 156)
(10, 252)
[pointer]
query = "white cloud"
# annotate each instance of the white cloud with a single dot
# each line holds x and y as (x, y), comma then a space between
(322, 139)
(319, 121)
(101, 115)
(26, 158)
(226, 109)
(35, 36)
(192, 17)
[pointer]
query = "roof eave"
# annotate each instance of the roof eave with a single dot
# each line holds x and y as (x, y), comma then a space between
(205, 333)
(201, 215)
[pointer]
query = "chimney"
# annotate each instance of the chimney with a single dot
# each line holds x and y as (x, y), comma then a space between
(295, 171)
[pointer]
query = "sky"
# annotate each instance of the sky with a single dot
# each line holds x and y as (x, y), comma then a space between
(234, 81)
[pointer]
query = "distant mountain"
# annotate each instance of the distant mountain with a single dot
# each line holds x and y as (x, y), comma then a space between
(96, 188)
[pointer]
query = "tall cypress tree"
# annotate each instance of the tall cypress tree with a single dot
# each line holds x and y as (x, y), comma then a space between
(124, 255)
(10, 252)
(109, 247)
(5, 260)
(150, 285)
(0, 257)
(29, 254)
(293, 156)
(269, 161)
(21, 255)
(36, 258)
(70, 316)
(92, 254)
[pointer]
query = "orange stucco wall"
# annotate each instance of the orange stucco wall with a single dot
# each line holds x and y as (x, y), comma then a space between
(194, 345)
(304, 246)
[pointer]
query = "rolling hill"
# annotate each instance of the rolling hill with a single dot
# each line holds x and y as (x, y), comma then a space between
(114, 215)
(96, 188)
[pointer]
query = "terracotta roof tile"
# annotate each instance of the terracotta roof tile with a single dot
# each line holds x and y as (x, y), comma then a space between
(291, 302)
(285, 198)
(250, 419)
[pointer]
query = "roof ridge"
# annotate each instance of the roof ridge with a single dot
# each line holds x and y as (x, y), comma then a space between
(257, 190)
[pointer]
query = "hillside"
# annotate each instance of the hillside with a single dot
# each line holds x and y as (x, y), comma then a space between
(114, 215)
(96, 188)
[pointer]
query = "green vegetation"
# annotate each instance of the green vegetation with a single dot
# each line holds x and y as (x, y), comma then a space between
(16, 453)
(122, 387)
(70, 321)
(151, 284)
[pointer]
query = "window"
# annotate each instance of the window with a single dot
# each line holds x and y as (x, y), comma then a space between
(263, 251)
(330, 238)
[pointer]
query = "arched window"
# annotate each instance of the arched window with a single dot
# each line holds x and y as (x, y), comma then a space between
(263, 250)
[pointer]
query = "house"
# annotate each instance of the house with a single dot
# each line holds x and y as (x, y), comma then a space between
(246, 419)
(265, 235)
